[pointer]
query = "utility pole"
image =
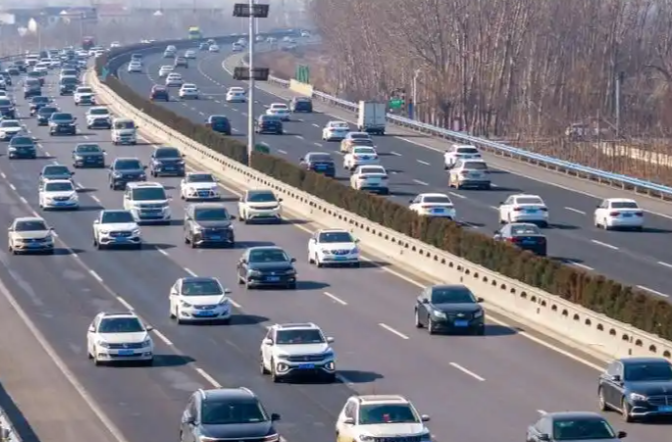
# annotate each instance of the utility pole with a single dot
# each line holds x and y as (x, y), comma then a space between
(619, 80)
(251, 11)
(414, 93)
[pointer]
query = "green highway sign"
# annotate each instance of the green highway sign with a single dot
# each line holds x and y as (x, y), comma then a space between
(396, 103)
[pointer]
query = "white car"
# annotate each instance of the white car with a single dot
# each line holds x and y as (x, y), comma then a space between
(58, 194)
(194, 299)
(190, 55)
(297, 350)
(116, 228)
(370, 178)
(236, 95)
(279, 110)
(271, 40)
(9, 129)
(148, 202)
(165, 70)
(469, 174)
(134, 67)
(335, 131)
(360, 156)
(460, 152)
(115, 44)
(619, 213)
(237, 47)
(199, 186)
(41, 68)
(119, 337)
(260, 205)
(259, 39)
(174, 80)
(305, 34)
(333, 247)
(213, 48)
(434, 205)
(381, 417)
(189, 90)
(524, 208)
(84, 94)
(30, 235)
(98, 117)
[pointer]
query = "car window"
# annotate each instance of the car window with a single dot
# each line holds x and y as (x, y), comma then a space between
(99, 112)
(527, 229)
(55, 170)
(211, 214)
(124, 125)
(149, 194)
(116, 217)
(261, 197)
(127, 164)
(582, 429)
(529, 200)
(231, 412)
(335, 237)
(624, 205)
(372, 414)
(167, 153)
(88, 148)
(30, 226)
(475, 165)
(452, 295)
(120, 325)
(267, 255)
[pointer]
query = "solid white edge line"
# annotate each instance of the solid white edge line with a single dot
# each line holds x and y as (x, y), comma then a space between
(467, 372)
(393, 331)
(335, 298)
(191, 272)
(125, 303)
(655, 292)
(207, 377)
(161, 251)
(163, 338)
(95, 275)
(603, 244)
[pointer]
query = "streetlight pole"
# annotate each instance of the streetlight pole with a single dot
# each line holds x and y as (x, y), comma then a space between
(414, 92)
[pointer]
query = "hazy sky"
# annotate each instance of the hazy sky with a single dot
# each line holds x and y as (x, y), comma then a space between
(145, 3)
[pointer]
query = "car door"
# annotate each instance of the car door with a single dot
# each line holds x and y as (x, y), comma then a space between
(267, 349)
(505, 208)
(345, 431)
(189, 418)
(613, 384)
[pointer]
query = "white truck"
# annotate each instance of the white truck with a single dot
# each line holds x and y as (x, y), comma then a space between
(372, 117)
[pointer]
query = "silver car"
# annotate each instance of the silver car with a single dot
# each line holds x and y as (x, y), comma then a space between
(30, 235)
(471, 173)
(573, 426)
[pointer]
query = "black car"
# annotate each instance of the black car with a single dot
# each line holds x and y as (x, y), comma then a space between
(451, 308)
(167, 161)
(319, 162)
(31, 88)
(21, 65)
(301, 104)
(266, 267)
(126, 170)
(573, 426)
(22, 146)
(208, 224)
(62, 123)
(38, 102)
(159, 93)
(638, 388)
(88, 155)
(67, 85)
(13, 71)
(268, 124)
(219, 123)
(44, 114)
(55, 172)
(226, 414)
(7, 109)
(5, 75)
(525, 236)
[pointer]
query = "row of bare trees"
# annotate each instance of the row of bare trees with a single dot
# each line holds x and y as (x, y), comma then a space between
(508, 67)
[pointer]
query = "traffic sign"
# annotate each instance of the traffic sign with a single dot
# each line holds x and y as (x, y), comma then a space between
(396, 103)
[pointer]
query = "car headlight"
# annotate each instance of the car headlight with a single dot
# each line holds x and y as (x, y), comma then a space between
(272, 438)
(438, 314)
(117, 174)
(147, 343)
(478, 314)
(354, 251)
(79, 157)
(426, 436)
(74, 197)
(291, 272)
(12, 149)
(224, 301)
(328, 354)
(251, 272)
(365, 438)
(325, 252)
(103, 344)
(637, 397)
(185, 304)
(103, 231)
(136, 232)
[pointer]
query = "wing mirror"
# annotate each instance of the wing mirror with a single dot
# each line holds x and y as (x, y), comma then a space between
(96, 221)
(616, 378)
(227, 291)
(293, 260)
(349, 421)
(268, 341)
(144, 167)
(91, 329)
(275, 417)
(149, 328)
(622, 434)
(424, 301)
(544, 437)
(330, 340)
(424, 418)
(479, 300)
(279, 200)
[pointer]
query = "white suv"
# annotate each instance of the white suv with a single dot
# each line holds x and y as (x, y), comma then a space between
(369, 417)
(116, 228)
(260, 205)
(295, 350)
(195, 299)
(148, 202)
(119, 337)
(333, 247)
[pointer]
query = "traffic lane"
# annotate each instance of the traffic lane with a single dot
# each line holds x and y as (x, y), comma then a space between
(62, 301)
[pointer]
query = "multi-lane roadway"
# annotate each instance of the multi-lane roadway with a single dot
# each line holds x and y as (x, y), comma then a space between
(475, 388)
(638, 258)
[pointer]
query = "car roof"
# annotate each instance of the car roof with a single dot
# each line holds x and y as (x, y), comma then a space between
(254, 249)
(333, 231)
(642, 360)
(381, 398)
(144, 184)
(126, 158)
(227, 393)
(621, 200)
(434, 194)
(574, 415)
(28, 219)
(296, 325)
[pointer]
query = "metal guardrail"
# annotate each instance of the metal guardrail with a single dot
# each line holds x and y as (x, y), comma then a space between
(567, 167)
(7, 433)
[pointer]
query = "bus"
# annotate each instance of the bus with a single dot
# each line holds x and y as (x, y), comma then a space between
(195, 33)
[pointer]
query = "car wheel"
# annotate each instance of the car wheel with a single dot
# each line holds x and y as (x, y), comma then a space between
(310, 259)
(625, 411)
(601, 401)
(274, 376)
(96, 361)
(262, 368)
(430, 326)
(193, 244)
(291, 286)
(418, 323)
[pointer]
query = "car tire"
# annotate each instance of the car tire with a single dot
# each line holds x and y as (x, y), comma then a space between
(291, 286)
(625, 411)
(430, 327)
(274, 376)
(262, 368)
(148, 363)
(418, 323)
(601, 401)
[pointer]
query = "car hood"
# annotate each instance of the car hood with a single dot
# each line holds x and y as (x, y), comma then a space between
(122, 338)
(130, 171)
(122, 227)
(302, 350)
(201, 186)
(457, 308)
(68, 193)
(392, 429)
(204, 300)
(271, 266)
(214, 224)
(11, 129)
(338, 246)
(234, 431)
(269, 205)
(168, 160)
(63, 176)
(38, 234)
(650, 388)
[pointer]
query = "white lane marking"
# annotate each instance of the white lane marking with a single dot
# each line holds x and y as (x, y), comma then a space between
(468, 372)
(96, 275)
(457, 195)
(2, 174)
(161, 251)
(207, 377)
(244, 114)
(47, 153)
(202, 113)
(299, 137)
(316, 125)
(191, 272)
(655, 292)
(12, 186)
(318, 144)
(37, 215)
(162, 337)
(234, 129)
(23, 200)
(395, 154)
(284, 152)
(335, 298)
(665, 264)
(96, 199)
(603, 244)
(234, 303)
(571, 209)
(125, 303)
(494, 207)
(422, 183)
(423, 162)
(391, 330)
(541, 412)
(583, 266)
(86, 137)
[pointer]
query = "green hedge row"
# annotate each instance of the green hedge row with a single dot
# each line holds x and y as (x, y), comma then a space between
(615, 300)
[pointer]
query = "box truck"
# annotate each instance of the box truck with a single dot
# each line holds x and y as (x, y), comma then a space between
(372, 117)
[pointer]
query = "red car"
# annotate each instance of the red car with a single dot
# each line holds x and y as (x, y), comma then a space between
(159, 93)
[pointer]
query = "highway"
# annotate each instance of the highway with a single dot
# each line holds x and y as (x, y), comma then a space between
(503, 378)
(637, 258)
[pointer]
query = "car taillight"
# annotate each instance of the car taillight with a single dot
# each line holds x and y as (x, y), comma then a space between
(612, 214)
(543, 209)
(513, 239)
(426, 207)
(640, 214)
(384, 177)
(517, 209)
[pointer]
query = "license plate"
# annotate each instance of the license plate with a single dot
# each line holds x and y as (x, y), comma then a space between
(215, 237)
(461, 323)
(340, 258)
(34, 245)
(306, 366)
(373, 184)
(665, 408)
(365, 158)
(119, 239)
(205, 313)
(437, 210)
(272, 278)
(627, 215)
(126, 352)
(531, 210)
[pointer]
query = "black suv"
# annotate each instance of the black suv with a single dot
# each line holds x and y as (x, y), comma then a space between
(167, 161)
(67, 85)
(227, 414)
(319, 162)
(208, 224)
(44, 114)
(301, 104)
(268, 124)
(219, 123)
(126, 170)
(38, 102)
(62, 123)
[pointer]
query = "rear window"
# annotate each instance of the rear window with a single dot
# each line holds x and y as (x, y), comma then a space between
(529, 200)
(359, 136)
(467, 150)
(367, 170)
(527, 229)
(323, 158)
(69, 80)
(624, 205)
(32, 82)
(475, 165)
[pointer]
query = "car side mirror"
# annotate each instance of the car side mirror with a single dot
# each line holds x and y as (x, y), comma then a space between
(111, 168)
(544, 437)
(72, 173)
(96, 221)
(616, 378)
(243, 261)
(424, 418)
(279, 200)
(275, 417)
(191, 420)
(9, 229)
(349, 421)
(144, 167)
(330, 340)
(183, 156)
(268, 341)
(479, 300)
(622, 434)
(501, 203)
(91, 329)
(597, 207)
(227, 291)
(302, 159)
(40, 173)
(424, 301)
(293, 260)
(149, 328)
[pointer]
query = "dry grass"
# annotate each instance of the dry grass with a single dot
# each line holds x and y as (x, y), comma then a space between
(283, 64)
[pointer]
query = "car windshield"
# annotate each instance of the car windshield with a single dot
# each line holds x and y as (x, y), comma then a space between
(232, 411)
(39, 100)
(452, 295)
(335, 237)
(149, 194)
(10, 123)
(359, 136)
(99, 111)
(218, 120)
(88, 148)
(58, 187)
(124, 125)
(279, 106)
(267, 255)
(527, 229)
(120, 325)
(529, 200)
(269, 119)
(475, 165)
(84, 90)
(59, 116)
(321, 158)
(127, 165)
(200, 178)
(167, 153)
(261, 197)
(201, 287)
(68, 80)
(375, 414)
(211, 214)
(47, 110)
(30, 226)
(624, 205)
(367, 170)
(648, 371)
(114, 217)
(22, 141)
(364, 150)
(299, 336)
(582, 429)
(55, 170)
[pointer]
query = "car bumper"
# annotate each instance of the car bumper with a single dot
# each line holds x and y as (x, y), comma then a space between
(263, 215)
(458, 325)
(92, 162)
(530, 218)
(224, 238)
(63, 130)
(22, 154)
(42, 121)
(192, 314)
(202, 196)
(65, 205)
(338, 259)
(646, 410)
(124, 139)
(148, 217)
(474, 183)
(121, 182)
(236, 100)
(625, 222)
(119, 241)
(109, 355)
(169, 171)
(271, 280)
(33, 246)
(284, 369)
(194, 96)
(384, 190)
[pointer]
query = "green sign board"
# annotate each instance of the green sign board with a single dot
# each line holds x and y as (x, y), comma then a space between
(396, 103)
(302, 74)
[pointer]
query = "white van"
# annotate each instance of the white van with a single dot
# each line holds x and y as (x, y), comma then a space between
(124, 131)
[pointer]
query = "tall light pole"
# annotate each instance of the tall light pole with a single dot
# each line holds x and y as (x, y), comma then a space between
(414, 92)
(252, 11)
